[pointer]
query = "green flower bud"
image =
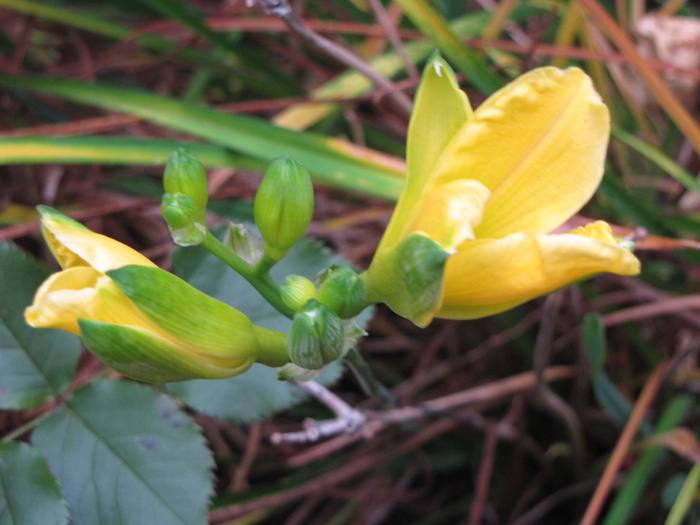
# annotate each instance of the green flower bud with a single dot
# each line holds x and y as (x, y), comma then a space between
(182, 216)
(316, 336)
(146, 323)
(298, 291)
(408, 277)
(283, 206)
(344, 292)
(185, 174)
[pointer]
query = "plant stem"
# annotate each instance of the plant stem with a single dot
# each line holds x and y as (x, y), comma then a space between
(369, 384)
(263, 282)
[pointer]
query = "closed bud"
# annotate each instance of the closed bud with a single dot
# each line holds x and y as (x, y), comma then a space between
(297, 292)
(408, 277)
(144, 322)
(316, 336)
(344, 292)
(182, 217)
(283, 206)
(185, 174)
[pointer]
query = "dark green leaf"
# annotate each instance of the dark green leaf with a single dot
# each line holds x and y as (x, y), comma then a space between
(35, 364)
(29, 494)
(124, 453)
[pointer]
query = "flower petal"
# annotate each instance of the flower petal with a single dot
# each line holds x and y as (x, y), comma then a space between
(490, 276)
(73, 246)
(450, 213)
(64, 297)
(440, 110)
(538, 145)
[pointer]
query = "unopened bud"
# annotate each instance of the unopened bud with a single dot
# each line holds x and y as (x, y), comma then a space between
(283, 206)
(316, 336)
(343, 292)
(181, 214)
(297, 292)
(185, 174)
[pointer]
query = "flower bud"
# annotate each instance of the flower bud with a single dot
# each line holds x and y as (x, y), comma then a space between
(182, 216)
(185, 174)
(408, 277)
(298, 291)
(283, 206)
(146, 323)
(316, 336)
(343, 291)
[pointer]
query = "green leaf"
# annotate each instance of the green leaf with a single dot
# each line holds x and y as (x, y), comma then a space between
(617, 406)
(257, 393)
(331, 161)
(123, 453)
(36, 365)
(29, 494)
(430, 22)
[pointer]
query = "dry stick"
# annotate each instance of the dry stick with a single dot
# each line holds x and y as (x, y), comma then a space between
(281, 8)
(339, 475)
(551, 401)
(394, 38)
(623, 444)
(657, 86)
(485, 470)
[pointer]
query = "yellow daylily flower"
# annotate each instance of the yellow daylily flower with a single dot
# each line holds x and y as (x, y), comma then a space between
(490, 185)
(142, 321)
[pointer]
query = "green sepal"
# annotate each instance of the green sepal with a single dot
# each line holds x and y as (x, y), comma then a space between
(408, 277)
(283, 206)
(185, 174)
(47, 212)
(244, 243)
(343, 291)
(316, 336)
(141, 355)
(188, 315)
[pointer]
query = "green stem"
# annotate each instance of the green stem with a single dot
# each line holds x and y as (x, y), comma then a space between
(29, 425)
(369, 384)
(263, 283)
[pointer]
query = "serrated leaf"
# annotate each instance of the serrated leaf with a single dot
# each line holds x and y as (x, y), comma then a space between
(29, 494)
(257, 393)
(123, 453)
(35, 365)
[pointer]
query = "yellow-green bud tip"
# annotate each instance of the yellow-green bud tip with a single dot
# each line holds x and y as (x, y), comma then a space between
(297, 292)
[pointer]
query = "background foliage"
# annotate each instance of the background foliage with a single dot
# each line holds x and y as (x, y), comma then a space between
(576, 408)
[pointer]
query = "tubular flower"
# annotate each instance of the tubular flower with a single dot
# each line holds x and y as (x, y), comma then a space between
(490, 185)
(142, 321)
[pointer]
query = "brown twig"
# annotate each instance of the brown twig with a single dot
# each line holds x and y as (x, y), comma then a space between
(619, 453)
(282, 9)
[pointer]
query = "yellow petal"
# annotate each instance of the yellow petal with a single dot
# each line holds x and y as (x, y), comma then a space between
(440, 110)
(490, 276)
(538, 145)
(63, 298)
(77, 247)
(450, 213)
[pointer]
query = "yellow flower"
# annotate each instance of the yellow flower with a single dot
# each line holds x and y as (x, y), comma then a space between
(142, 321)
(490, 185)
